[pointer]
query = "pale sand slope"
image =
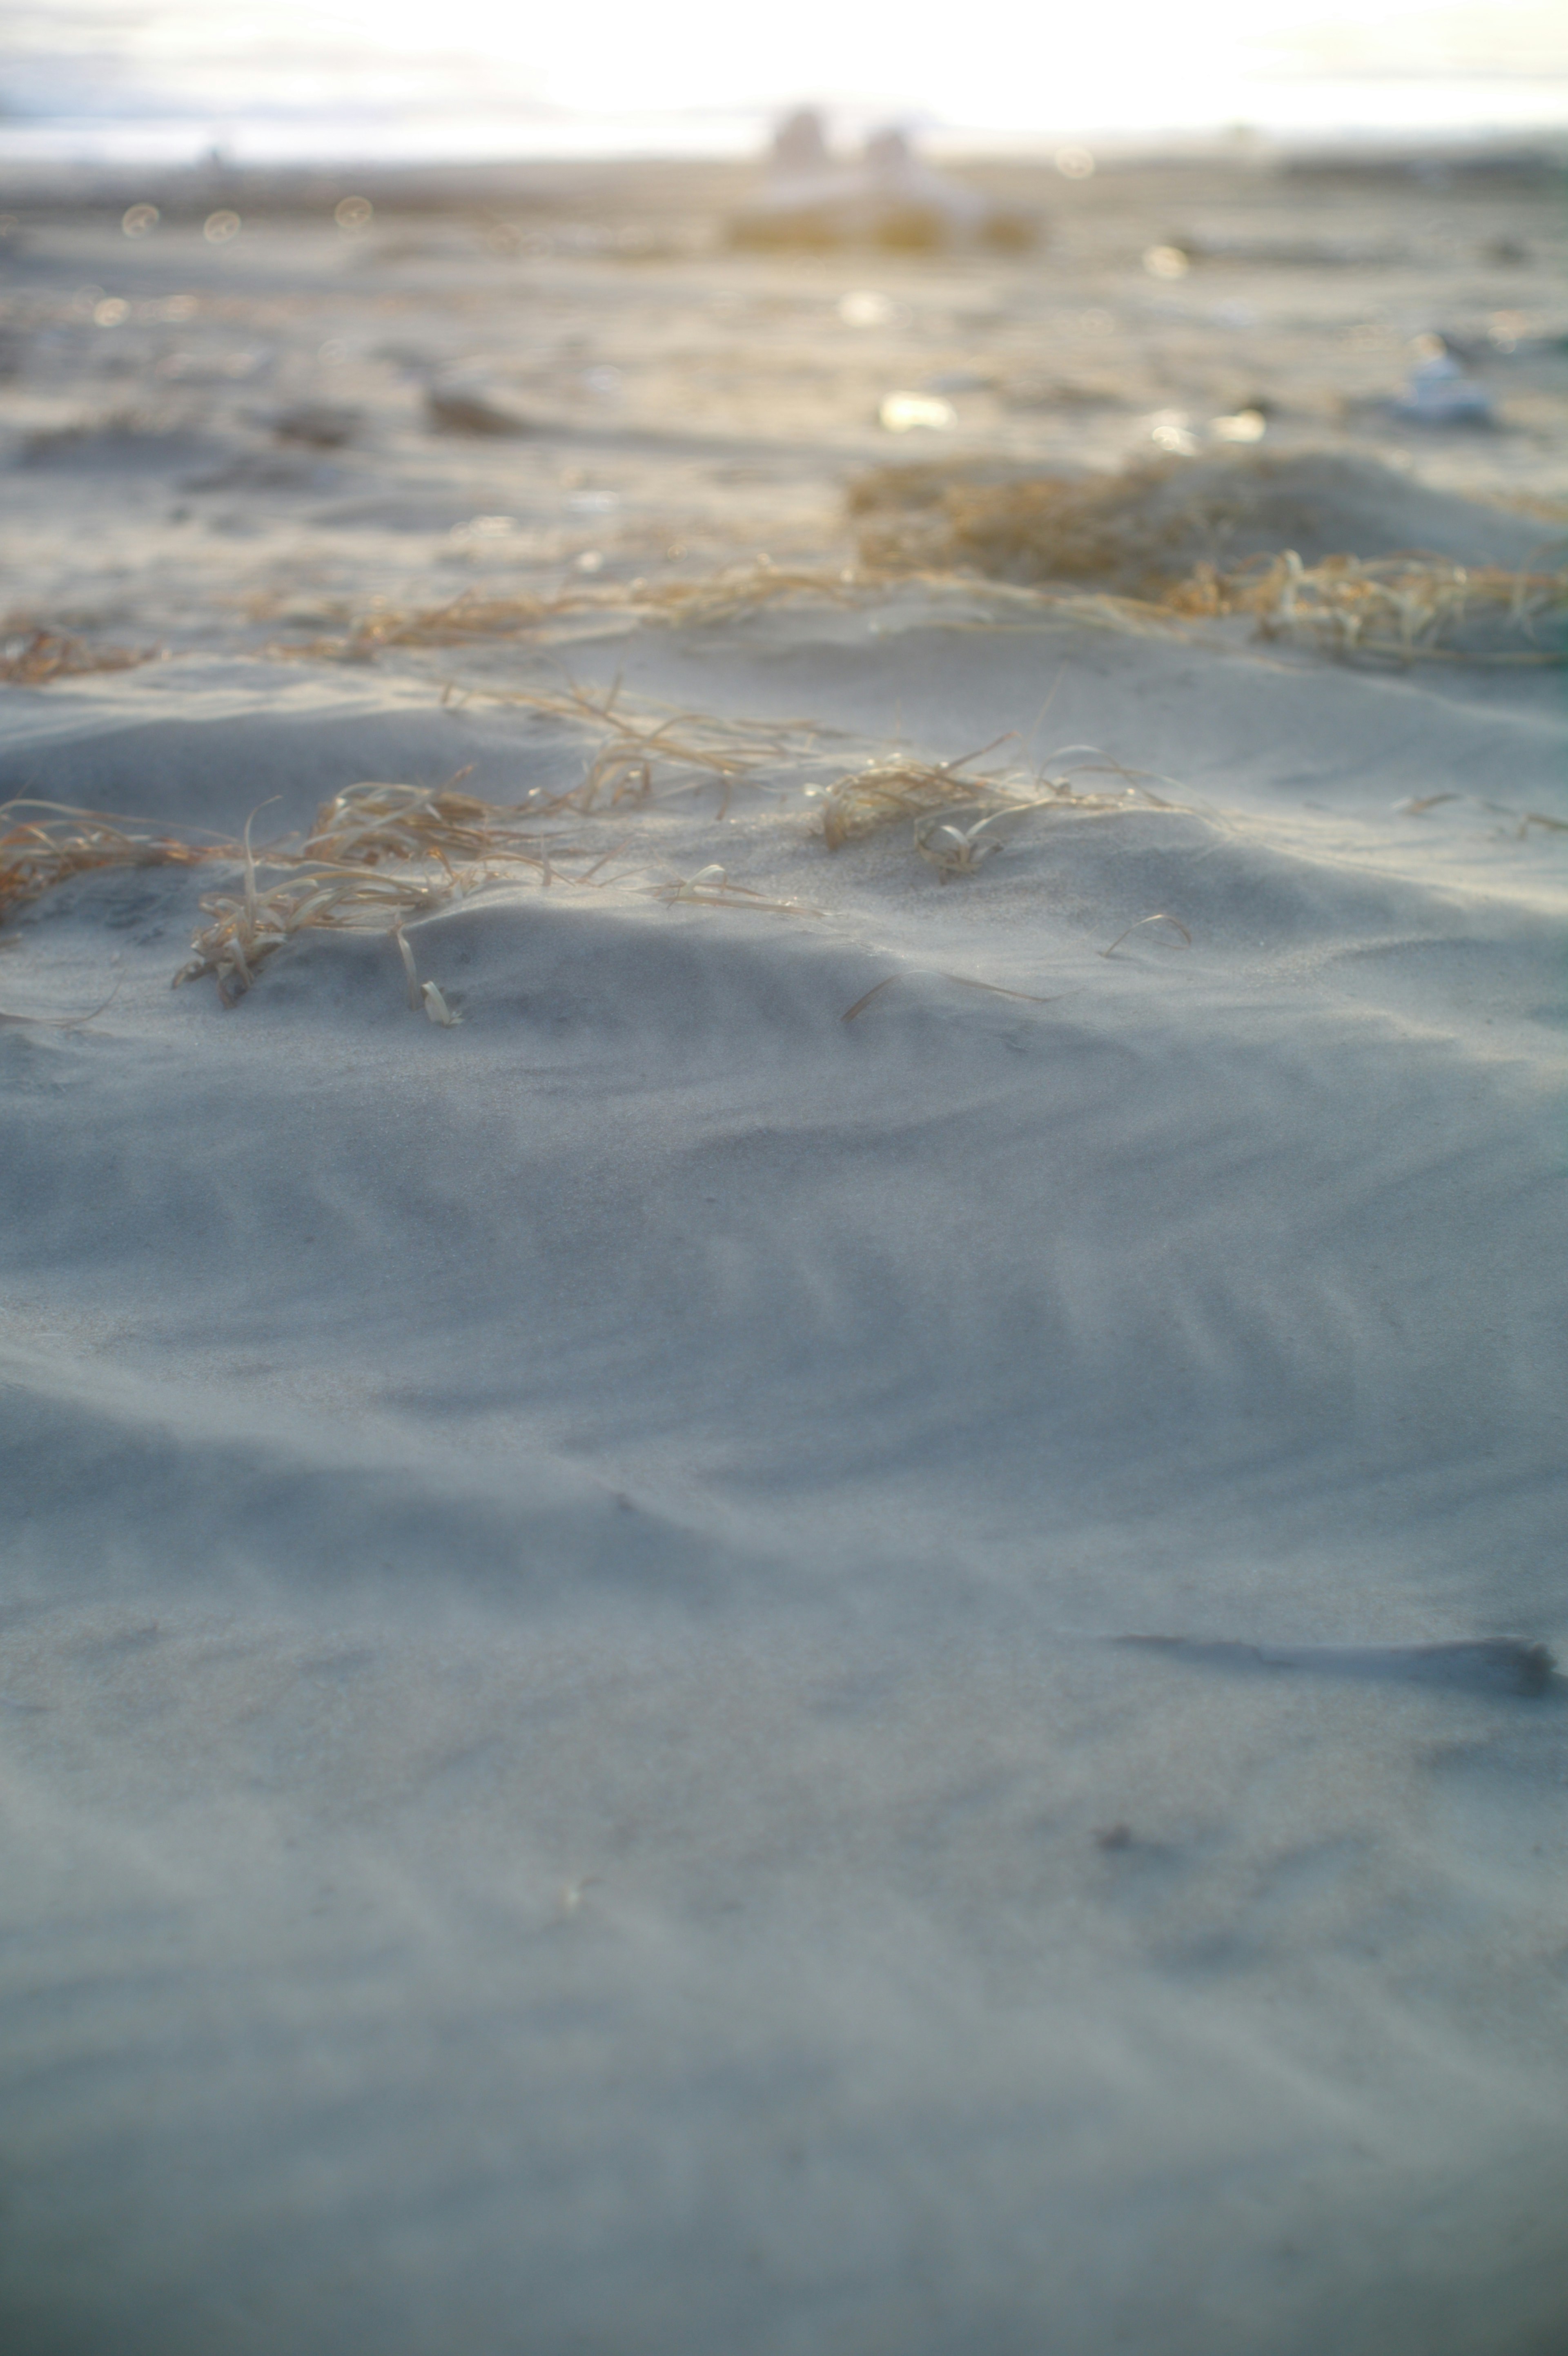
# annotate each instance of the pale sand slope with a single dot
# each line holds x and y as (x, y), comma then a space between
(659, 1443)
(563, 1792)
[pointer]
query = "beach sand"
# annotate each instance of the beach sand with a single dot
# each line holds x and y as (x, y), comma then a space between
(565, 1784)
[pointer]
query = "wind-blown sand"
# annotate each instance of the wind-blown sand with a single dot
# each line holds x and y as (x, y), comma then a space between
(564, 1785)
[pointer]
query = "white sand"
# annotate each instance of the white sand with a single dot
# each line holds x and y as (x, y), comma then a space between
(562, 1790)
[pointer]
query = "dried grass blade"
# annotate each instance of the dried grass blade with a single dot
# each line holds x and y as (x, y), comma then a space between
(861, 1003)
(1160, 917)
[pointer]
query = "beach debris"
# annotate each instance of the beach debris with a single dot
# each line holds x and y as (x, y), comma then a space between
(864, 307)
(450, 409)
(320, 424)
(1438, 392)
(1499, 1664)
(44, 655)
(1240, 425)
(436, 1007)
(911, 412)
(423, 994)
(886, 196)
(416, 994)
(1171, 430)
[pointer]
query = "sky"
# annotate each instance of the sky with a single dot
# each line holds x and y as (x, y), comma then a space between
(1002, 65)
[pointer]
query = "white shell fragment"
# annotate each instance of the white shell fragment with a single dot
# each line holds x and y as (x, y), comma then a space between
(436, 1007)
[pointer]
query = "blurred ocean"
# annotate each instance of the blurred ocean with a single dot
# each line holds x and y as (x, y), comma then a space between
(1330, 111)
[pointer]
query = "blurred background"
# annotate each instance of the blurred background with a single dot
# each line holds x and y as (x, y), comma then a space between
(168, 81)
(365, 304)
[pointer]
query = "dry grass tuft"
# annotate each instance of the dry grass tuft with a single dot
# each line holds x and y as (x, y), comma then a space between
(338, 880)
(367, 824)
(642, 749)
(46, 655)
(961, 821)
(379, 853)
(40, 852)
(247, 929)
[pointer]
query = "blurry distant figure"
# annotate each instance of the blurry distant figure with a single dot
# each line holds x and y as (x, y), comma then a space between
(886, 196)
